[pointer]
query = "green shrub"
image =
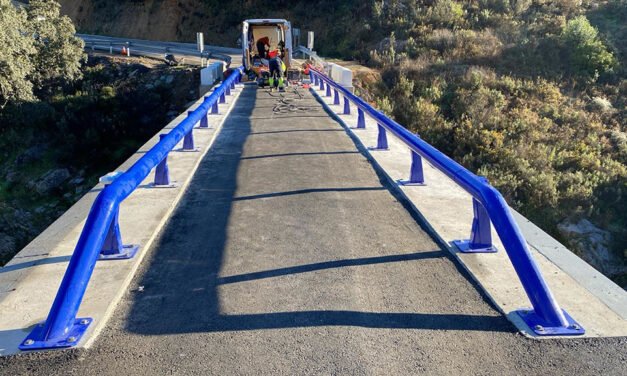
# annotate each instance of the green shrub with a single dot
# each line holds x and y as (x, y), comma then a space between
(446, 13)
(587, 53)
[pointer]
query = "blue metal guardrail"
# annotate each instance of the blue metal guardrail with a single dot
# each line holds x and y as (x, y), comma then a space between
(546, 317)
(100, 237)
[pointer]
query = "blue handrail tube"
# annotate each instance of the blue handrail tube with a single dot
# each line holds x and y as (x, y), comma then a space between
(542, 300)
(70, 294)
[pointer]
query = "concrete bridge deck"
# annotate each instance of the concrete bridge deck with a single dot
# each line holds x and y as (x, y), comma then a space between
(289, 255)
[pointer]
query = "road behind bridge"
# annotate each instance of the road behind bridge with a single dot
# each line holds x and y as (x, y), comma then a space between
(289, 255)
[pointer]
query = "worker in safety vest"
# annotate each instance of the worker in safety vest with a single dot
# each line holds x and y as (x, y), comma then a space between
(277, 69)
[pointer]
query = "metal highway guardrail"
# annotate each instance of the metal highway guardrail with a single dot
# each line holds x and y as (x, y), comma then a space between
(182, 45)
(312, 54)
(100, 237)
(144, 47)
(546, 317)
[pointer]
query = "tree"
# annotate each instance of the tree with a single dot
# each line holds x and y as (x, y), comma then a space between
(587, 54)
(16, 50)
(59, 52)
(38, 50)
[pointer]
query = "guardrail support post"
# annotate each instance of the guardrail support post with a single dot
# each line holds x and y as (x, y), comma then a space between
(113, 249)
(481, 233)
(347, 106)
(228, 90)
(321, 84)
(222, 98)
(214, 108)
(204, 122)
(328, 90)
(382, 138)
(188, 141)
(162, 172)
(233, 85)
(336, 98)
(416, 174)
(361, 119)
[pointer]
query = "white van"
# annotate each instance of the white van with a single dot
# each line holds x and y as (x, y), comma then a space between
(256, 33)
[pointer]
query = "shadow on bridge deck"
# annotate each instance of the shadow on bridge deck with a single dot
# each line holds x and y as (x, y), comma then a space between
(259, 213)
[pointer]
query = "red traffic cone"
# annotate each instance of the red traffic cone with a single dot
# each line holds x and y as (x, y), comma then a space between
(123, 50)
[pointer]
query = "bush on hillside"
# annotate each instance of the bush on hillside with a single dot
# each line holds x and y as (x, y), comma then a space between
(587, 53)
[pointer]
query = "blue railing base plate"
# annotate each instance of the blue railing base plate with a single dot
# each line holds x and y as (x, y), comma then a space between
(73, 337)
(464, 247)
(540, 328)
(171, 185)
(409, 183)
(194, 150)
(128, 252)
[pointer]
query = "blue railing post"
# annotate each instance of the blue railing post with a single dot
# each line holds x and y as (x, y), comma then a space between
(233, 85)
(204, 122)
(113, 248)
(214, 108)
(336, 98)
(162, 171)
(347, 106)
(480, 234)
(416, 173)
(382, 138)
(188, 141)
(321, 84)
(222, 98)
(227, 90)
(328, 90)
(361, 119)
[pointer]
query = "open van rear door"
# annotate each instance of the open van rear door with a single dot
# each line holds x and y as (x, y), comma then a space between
(245, 45)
